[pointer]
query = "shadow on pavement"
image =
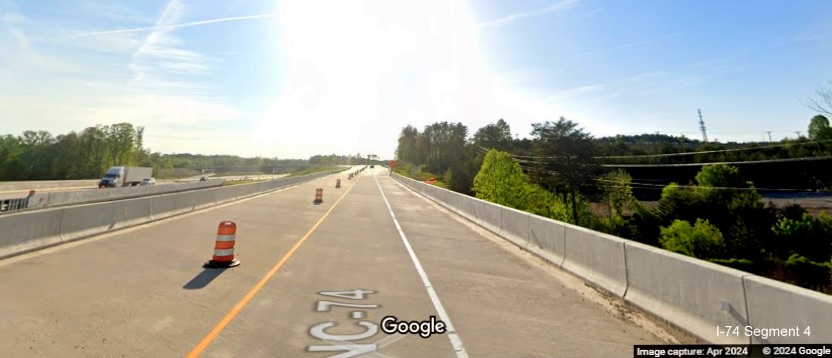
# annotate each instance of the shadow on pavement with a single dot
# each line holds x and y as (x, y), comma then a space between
(203, 279)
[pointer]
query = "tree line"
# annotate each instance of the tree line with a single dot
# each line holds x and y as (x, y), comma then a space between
(560, 173)
(40, 155)
(82, 155)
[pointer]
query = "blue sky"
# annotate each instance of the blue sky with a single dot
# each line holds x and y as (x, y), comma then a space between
(291, 79)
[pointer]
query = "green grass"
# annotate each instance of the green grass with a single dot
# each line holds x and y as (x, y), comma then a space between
(406, 169)
(441, 184)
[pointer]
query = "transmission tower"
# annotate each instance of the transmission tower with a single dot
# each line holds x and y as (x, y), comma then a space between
(702, 126)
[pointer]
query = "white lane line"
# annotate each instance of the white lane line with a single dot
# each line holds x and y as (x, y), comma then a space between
(456, 342)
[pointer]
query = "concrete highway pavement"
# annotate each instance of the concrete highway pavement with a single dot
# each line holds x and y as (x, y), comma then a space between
(143, 291)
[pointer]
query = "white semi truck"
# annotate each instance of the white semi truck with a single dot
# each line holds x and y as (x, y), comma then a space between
(117, 177)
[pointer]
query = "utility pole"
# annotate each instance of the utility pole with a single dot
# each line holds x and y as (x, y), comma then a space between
(702, 126)
(769, 136)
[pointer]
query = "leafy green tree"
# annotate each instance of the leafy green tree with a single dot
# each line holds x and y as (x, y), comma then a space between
(11, 161)
(729, 203)
(494, 136)
(445, 142)
(618, 193)
(540, 201)
(501, 181)
(680, 203)
(720, 175)
(566, 163)
(37, 156)
(808, 273)
(809, 237)
(819, 128)
(407, 149)
(460, 175)
(702, 240)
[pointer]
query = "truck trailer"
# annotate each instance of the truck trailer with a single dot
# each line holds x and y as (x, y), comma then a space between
(117, 177)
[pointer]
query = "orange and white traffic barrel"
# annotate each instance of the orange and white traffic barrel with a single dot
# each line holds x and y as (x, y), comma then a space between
(319, 196)
(224, 247)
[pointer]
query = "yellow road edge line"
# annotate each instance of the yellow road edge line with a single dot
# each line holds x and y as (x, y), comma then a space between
(206, 341)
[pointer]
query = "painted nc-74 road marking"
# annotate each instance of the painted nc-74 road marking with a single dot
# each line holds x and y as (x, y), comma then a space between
(354, 350)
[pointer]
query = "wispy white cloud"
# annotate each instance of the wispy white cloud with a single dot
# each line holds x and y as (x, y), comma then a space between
(609, 90)
(114, 10)
(633, 44)
(795, 39)
(560, 6)
(122, 43)
(150, 76)
(167, 26)
(578, 92)
(167, 77)
(19, 53)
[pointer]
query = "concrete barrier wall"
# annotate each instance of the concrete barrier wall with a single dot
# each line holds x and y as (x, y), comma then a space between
(547, 239)
(46, 184)
(597, 257)
(692, 294)
(774, 304)
(26, 231)
(93, 195)
(514, 225)
(162, 206)
(130, 213)
(83, 220)
(686, 291)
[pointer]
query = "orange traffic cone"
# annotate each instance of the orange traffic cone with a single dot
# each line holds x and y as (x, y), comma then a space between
(224, 247)
(319, 196)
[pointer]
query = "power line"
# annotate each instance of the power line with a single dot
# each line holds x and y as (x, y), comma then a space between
(711, 151)
(537, 160)
(685, 153)
(637, 185)
(701, 187)
(641, 185)
(804, 159)
(633, 134)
